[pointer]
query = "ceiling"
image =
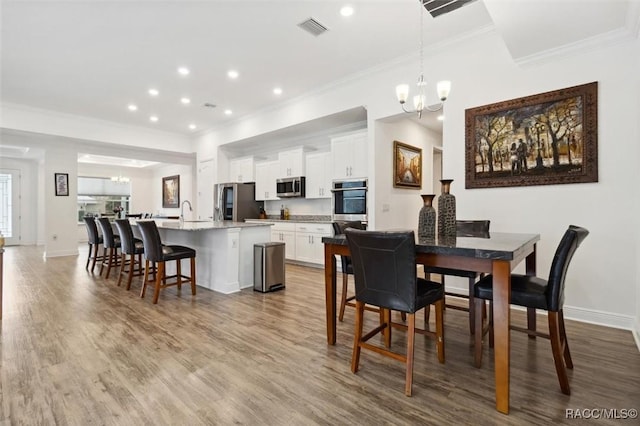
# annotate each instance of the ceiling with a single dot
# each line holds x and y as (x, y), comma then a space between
(93, 58)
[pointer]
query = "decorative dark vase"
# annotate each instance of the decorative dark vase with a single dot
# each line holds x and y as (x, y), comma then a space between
(427, 217)
(446, 211)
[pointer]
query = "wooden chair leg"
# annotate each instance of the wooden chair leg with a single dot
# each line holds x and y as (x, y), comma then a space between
(472, 306)
(387, 322)
(104, 256)
(145, 278)
(110, 262)
(95, 256)
(531, 321)
(343, 298)
(355, 356)
(565, 343)
(427, 315)
(558, 356)
(131, 269)
(123, 261)
(478, 333)
(89, 255)
(411, 335)
(491, 324)
(193, 276)
(179, 273)
(160, 278)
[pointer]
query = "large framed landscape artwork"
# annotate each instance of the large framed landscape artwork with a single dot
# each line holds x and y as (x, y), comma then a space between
(407, 166)
(544, 139)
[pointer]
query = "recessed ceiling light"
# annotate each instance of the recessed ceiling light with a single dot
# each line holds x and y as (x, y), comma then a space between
(193, 126)
(228, 111)
(154, 92)
(346, 10)
(233, 74)
(441, 118)
(185, 101)
(183, 71)
(277, 91)
(153, 118)
(132, 107)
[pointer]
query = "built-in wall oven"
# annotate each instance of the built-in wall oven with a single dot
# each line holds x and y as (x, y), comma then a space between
(349, 200)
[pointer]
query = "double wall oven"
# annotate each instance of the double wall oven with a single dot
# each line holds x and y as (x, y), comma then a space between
(349, 200)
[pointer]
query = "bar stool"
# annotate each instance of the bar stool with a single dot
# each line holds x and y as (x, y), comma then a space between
(111, 243)
(159, 254)
(131, 246)
(95, 240)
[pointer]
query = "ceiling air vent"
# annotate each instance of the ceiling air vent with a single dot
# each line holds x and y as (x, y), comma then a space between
(313, 27)
(441, 7)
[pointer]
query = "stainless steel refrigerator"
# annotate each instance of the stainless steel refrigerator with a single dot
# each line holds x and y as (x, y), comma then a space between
(235, 201)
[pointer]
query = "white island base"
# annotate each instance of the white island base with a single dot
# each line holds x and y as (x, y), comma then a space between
(224, 251)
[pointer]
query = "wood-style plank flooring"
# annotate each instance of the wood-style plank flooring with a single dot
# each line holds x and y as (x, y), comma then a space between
(76, 349)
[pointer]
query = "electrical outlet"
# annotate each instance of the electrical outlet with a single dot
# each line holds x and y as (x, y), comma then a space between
(386, 208)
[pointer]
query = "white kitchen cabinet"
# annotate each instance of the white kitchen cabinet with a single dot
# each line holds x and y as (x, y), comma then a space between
(266, 175)
(285, 232)
(291, 163)
(349, 155)
(241, 170)
(318, 179)
(309, 247)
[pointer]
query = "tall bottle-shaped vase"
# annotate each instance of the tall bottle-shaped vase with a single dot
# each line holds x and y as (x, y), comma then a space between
(427, 217)
(446, 210)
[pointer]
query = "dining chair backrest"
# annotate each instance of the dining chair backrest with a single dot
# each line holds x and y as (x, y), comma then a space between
(338, 229)
(126, 236)
(572, 238)
(92, 230)
(151, 240)
(384, 267)
(472, 228)
(107, 232)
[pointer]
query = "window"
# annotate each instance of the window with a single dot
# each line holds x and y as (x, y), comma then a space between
(102, 197)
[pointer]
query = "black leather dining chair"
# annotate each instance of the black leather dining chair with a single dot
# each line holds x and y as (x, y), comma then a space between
(384, 268)
(464, 228)
(111, 244)
(157, 253)
(95, 241)
(537, 293)
(347, 268)
(131, 252)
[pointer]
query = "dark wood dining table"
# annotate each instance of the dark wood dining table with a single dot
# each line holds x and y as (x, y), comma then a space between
(495, 253)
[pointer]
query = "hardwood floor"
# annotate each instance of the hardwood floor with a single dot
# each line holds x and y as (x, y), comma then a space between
(76, 349)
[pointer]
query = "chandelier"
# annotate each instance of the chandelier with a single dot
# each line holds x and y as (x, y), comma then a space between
(119, 179)
(420, 100)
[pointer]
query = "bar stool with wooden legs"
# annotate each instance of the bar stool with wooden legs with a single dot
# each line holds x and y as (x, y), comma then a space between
(155, 252)
(95, 241)
(111, 244)
(131, 247)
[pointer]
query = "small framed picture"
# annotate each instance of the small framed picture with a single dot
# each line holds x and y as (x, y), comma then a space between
(62, 184)
(407, 166)
(171, 191)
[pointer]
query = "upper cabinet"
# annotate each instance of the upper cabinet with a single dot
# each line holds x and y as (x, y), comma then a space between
(318, 182)
(291, 163)
(241, 170)
(266, 175)
(349, 154)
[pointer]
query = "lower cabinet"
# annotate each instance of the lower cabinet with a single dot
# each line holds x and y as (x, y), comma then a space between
(309, 247)
(303, 240)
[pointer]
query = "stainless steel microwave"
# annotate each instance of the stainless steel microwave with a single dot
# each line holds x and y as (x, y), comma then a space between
(290, 187)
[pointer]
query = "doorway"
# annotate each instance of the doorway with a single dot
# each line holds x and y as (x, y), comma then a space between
(10, 206)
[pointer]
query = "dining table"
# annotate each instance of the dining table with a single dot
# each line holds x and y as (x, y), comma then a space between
(497, 253)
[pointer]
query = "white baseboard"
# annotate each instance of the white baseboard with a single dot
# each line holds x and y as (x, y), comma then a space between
(636, 333)
(60, 253)
(592, 316)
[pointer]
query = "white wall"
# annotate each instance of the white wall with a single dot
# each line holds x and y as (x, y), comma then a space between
(29, 198)
(402, 205)
(188, 190)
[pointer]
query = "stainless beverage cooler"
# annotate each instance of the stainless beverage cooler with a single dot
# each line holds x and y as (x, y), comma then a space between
(268, 266)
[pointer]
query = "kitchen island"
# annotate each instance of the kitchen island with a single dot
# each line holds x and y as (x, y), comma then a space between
(224, 250)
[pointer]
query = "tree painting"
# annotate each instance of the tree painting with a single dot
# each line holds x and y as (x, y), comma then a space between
(550, 138)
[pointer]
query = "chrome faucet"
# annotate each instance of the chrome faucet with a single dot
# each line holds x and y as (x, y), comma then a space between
(182, 210)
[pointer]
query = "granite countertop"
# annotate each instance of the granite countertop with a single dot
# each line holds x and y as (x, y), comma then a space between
(205, 225)
(298, 219)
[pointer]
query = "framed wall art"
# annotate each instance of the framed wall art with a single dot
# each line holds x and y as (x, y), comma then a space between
(171, 191)
(544, 139)
(407, 166)
(62, 184)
